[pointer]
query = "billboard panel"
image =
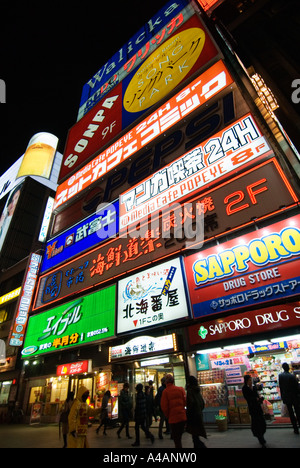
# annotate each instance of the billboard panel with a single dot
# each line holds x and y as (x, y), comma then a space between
(152, 297)
(224, 108)
(184, 103)
(267, 319)
(260, 191)
(39, 156)
(132, 54)
(83, 236)
(21, 317)
(9, 211)
(179, 57)
(253, 269)
(225, 152)
(85, 320)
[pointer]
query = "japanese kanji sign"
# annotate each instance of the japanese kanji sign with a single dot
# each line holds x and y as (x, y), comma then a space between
(141, 302)
(143, 345)
(227, 151)
(85, 320)
(21, 317)
(83, 236)
(205, 87)
(256, 268)
(256, 193)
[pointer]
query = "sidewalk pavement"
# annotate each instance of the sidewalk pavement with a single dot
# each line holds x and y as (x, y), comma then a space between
(47, 436)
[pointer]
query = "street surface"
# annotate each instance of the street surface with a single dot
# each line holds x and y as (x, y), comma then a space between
(47, 436)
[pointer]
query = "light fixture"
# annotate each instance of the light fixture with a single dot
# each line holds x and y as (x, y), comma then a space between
(239, 346)
(285, 338)
(262, 342)
(210, 350)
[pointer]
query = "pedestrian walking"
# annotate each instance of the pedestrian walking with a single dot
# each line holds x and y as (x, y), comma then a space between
(254, 401)
(289, 390)
(194, 408)
(162, 417)
(149, 406)
(125, 406)
(104, 420)
(79, 418)
(151, 391)
(173, 402)
(64, 416)
(140, 414)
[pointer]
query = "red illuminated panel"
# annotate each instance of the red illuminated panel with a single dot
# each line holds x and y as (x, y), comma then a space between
(207, 85)
(93, 131)
(209, 4)
(255, 321)
(73, 368)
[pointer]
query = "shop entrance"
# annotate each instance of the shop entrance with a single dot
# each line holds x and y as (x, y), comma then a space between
(156, 368)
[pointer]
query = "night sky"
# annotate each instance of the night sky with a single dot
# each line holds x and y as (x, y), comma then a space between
(48, 51)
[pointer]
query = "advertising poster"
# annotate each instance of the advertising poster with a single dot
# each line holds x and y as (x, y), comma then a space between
(205, 87)
(181, 55)
(39, 156)
(151, 297)
(85, 320)
(253, 269)
(132, 54)
(8, 212)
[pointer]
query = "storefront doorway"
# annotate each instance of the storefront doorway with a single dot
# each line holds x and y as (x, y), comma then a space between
(155, 369)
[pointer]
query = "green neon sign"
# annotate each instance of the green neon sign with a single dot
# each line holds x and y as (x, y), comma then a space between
(85, 320)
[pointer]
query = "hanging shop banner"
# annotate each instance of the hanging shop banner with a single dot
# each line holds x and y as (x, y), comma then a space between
(87, 319)
(26, 296)
(143, 345)
(152, 297)
(234, 147)
(153, 34)
(248, 323)
(184, 103)
(74, 368)
(83, 236)
(253, 269)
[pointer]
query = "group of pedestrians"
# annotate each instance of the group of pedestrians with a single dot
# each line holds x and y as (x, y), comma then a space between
(179, 409)
(176, 408)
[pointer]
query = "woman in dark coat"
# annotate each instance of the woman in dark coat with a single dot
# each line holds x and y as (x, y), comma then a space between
(258, 423)
(195, 405)
(140, 415)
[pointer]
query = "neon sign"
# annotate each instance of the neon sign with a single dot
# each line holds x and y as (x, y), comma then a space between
(185, 102)
(256, 268)
(215, 158)
(79, 322)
